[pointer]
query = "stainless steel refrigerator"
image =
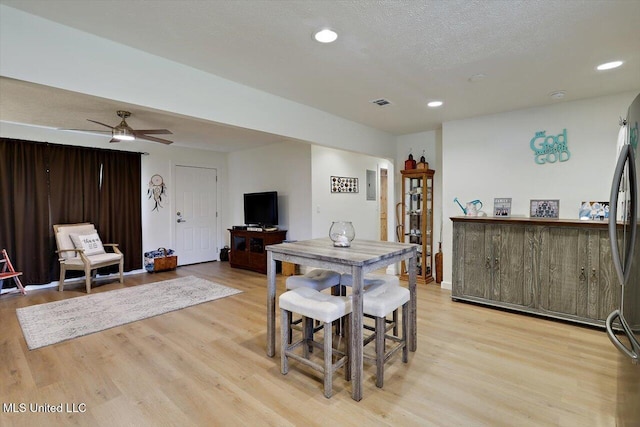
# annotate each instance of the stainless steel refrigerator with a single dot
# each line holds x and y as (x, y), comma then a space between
(623, 324)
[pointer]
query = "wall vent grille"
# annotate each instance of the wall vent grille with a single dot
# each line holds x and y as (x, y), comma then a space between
(381, 102)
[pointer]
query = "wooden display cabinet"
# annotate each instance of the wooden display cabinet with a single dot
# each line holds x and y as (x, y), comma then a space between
(417, 220)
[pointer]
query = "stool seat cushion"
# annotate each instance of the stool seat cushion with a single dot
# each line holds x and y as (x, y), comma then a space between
(382, 300)
(371, 279)
(314, 304)
(317, 279)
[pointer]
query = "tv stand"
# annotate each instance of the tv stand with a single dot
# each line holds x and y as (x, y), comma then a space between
(248, 248)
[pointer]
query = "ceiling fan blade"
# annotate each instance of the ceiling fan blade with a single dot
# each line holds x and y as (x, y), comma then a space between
(114, 140)
(153, 138)
(110, 127)
(153, 131)
(86, 130)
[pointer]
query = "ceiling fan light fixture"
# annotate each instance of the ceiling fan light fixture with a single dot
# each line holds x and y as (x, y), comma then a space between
(123, 134)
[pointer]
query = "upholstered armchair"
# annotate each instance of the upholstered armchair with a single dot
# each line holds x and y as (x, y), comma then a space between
(80, 248)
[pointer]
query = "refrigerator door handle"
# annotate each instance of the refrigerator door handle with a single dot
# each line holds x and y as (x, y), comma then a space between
(622, 266)
(634, 352)
(635, 205)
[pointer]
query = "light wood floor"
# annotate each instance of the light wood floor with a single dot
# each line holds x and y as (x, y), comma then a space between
(206, 365)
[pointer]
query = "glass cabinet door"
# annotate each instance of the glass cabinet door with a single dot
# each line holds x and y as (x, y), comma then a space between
(417, 217)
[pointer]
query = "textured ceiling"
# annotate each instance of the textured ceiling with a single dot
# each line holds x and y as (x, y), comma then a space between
(408, 52)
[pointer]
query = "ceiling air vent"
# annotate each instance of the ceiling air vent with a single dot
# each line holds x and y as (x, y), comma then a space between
(381, 102)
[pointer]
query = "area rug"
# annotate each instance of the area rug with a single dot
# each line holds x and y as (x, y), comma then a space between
(58, 321)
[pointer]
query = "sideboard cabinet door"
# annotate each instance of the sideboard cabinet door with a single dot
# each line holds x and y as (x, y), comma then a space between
(576, 273)
(491, 263)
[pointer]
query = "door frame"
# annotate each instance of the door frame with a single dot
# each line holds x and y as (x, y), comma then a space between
(383, 200)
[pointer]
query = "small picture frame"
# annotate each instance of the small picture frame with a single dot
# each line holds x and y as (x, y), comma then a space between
(342, 184)
(594, 211)
(502, 206)
(544, 208)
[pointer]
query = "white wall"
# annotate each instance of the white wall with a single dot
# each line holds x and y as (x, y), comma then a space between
(284, 167)
(159, 226)
(41, 51)
(488, 157)
(328, 207)
(300, 173)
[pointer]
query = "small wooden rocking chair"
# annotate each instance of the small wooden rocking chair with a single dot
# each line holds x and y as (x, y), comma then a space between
(8, 272)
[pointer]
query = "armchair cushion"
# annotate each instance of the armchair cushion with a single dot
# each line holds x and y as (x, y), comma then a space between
(95, 260)
(90, 243)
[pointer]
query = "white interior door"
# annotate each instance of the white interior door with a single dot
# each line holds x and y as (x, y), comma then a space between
(196, 214)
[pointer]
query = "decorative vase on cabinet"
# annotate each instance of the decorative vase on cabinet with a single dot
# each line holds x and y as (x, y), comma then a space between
(417, 220)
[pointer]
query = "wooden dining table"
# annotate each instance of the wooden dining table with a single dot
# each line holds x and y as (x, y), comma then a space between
(362, 257)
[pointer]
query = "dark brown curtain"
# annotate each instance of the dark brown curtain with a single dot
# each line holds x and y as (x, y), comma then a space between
(74, 184)
(43, 184)
(24, 210)
(120, 215)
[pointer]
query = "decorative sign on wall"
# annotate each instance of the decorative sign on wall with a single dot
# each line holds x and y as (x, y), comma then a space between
(550, 149)
(341, 184)
(156, 190)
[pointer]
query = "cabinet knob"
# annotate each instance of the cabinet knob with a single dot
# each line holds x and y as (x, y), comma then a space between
(594, 276)
(583, 276)
(487, 264)
(496, 264)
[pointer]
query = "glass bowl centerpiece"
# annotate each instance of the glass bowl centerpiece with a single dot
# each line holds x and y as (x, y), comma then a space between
(342, 233)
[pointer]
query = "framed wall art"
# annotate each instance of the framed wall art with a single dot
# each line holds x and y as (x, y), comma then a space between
(342, 184)
(544, 208)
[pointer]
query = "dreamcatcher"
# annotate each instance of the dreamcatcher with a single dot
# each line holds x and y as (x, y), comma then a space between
(156, 190)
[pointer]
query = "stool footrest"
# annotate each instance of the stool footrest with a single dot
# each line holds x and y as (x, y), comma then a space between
(334, 366)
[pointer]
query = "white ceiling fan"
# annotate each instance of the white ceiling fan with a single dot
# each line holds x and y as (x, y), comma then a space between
(124, 132)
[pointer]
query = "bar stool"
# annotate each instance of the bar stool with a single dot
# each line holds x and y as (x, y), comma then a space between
(371, 279)
(315, 305)
(318, 279)
(379, 301)
(375, 280)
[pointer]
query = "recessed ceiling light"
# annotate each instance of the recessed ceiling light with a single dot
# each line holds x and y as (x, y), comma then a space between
(609, 65)
(558, 94)
(434, 104)
(325, 35)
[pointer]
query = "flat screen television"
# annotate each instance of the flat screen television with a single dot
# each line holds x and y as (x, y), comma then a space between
(261, 208)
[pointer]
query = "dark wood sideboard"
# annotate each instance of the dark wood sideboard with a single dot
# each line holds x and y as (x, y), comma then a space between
(248, 248)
